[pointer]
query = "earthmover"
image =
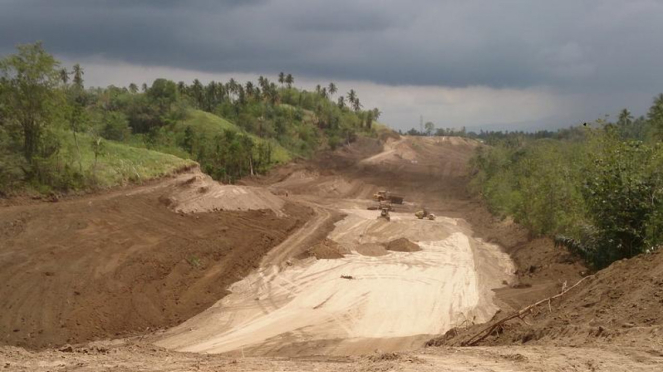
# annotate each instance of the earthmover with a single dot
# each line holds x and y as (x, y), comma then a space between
(384, 195)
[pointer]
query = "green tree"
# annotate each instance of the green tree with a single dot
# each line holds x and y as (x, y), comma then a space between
(341, 102)
(655, 116)
(430, 128)
(281, 78)
(289, 80)
(624, 193)
(332, 89)
(30, 95)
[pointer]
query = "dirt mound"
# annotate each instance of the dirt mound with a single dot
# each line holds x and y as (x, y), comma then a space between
(403, 245)
(327, 249)
(620, 305)
(197, 192)
(111, 265)
(371, 249)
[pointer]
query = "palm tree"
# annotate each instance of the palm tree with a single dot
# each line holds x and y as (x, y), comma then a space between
(318, 89)
(281, 78)
(332, 89)
(289, 80)
(356, 105)
(249, 88)
(133, 88)
(323, 93)
(352, 96)
(78, 76)
(144, 87)
(64, 75)
(341, 102)
(376, 113)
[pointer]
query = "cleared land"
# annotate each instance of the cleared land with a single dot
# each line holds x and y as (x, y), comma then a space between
(285, 303)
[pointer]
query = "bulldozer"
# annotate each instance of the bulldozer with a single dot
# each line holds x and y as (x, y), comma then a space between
(384, 195)
(384, 214)
(421, 214)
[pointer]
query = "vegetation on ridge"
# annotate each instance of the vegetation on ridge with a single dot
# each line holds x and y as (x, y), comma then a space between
(57, 135)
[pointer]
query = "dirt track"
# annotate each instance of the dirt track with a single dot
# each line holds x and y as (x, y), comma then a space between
(303, 307)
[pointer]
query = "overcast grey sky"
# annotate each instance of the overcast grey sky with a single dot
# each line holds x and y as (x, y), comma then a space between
(490, 64)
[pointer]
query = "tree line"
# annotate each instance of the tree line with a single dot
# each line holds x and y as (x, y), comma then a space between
(596, 188)
(49, 119)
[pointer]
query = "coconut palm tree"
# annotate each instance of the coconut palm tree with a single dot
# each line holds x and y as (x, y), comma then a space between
(289, 80)
(352, 96)
(341, 102)
(356, 105)
(64, 75)
(281, 78)
(332, 89)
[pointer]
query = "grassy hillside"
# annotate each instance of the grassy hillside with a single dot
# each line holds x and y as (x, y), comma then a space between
(209, 126)
(92, 162)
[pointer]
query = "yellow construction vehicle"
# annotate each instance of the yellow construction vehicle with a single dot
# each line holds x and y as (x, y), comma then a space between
(422, 214)
(384, 195)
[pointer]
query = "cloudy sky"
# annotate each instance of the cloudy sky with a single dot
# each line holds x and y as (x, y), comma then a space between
(482, 64)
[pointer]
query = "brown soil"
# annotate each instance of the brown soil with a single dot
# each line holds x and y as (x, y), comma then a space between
(326, 249)
(118, 264)
(619, 305)
(402, 245)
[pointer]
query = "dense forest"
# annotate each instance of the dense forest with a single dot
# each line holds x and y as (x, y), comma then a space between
(597, 188)
(57, 134)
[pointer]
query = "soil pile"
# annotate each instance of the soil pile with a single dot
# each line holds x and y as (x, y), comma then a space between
(326, 249)
(402, 245)
(112, 265)
(198, 192)
(619, 305)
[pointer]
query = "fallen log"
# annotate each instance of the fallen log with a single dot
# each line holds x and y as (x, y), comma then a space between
(485, 332)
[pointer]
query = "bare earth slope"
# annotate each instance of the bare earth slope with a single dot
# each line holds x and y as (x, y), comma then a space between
(110, 265)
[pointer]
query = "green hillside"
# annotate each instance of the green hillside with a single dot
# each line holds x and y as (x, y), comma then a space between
(55, 134)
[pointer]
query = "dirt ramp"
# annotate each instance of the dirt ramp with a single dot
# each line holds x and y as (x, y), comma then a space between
(197, 192)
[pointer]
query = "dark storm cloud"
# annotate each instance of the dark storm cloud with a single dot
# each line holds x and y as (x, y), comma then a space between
(574, 45)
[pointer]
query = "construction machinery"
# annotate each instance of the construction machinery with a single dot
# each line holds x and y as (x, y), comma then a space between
(384, 195)
(421, 214)
(385, 214)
